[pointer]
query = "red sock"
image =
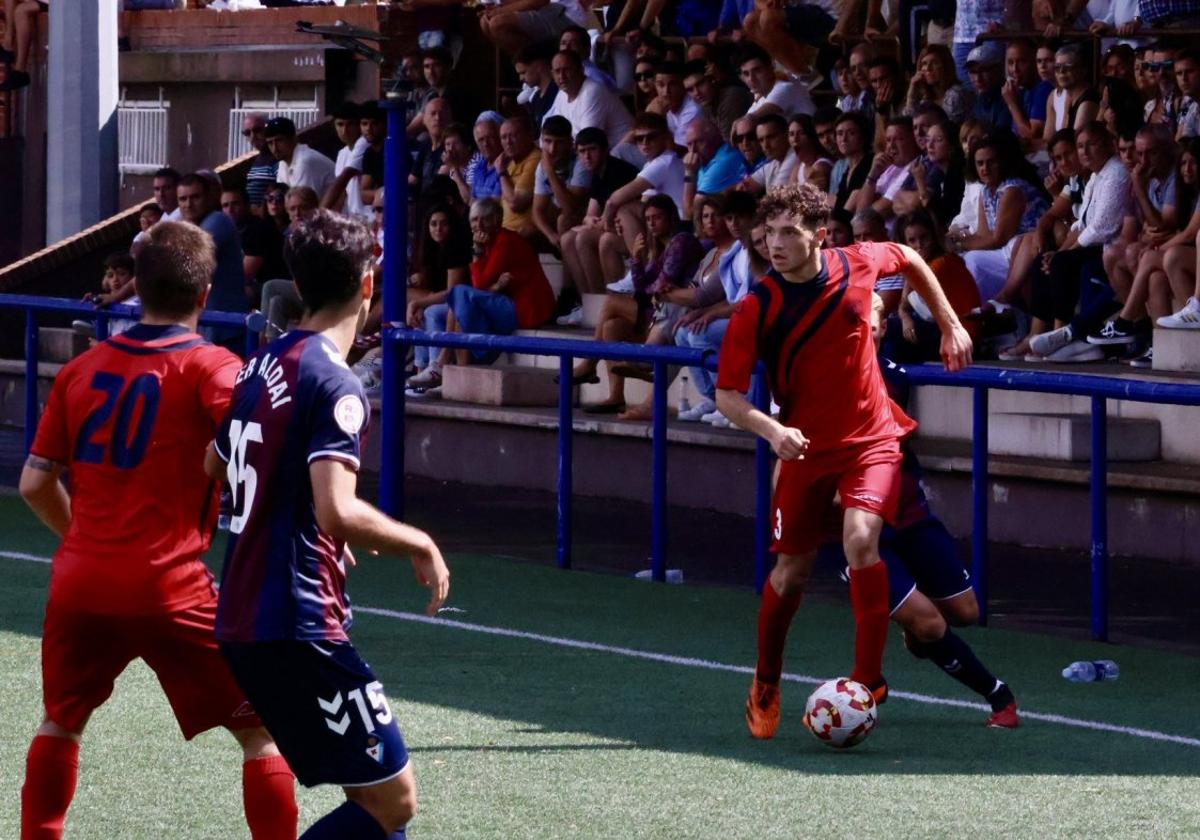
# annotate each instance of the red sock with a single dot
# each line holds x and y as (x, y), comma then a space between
(774, 618)
(869, 598)
(51, 769)
(269, 797)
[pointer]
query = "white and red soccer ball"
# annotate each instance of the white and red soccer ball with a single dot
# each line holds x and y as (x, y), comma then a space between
(840, 713)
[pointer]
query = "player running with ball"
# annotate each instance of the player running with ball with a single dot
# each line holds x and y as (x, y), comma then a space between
(809, 321)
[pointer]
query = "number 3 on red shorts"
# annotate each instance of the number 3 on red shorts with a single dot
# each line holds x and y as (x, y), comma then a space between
(778, 523)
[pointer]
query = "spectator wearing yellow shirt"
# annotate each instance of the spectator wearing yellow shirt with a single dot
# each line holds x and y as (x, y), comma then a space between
(517, 166)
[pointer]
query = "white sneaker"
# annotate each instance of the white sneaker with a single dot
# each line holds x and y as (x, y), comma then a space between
(624, 286)
(427, 378)
(697, 412)
(1187, 318)
(720, 421)
(574, 318)
(1050, 342)
(1076, 351)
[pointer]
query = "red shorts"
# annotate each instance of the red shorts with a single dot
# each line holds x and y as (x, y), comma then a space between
(866, 477)
(84, 653)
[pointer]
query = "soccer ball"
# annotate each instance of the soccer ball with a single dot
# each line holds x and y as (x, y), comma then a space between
(840, 713)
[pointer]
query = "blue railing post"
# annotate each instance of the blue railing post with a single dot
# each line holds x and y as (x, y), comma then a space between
(31, 378)
(979, 500)
(395, 303)
(658, 477)
(101, 326)
(762, 490)
(566, 396)
(1099, 497)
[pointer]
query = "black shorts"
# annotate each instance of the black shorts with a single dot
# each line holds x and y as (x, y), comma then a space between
(324, 708)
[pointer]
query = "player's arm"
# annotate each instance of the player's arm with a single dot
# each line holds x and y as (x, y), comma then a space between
(214, 464)
(788, 443)
(45, 494)
(344, 516)
(956, 344)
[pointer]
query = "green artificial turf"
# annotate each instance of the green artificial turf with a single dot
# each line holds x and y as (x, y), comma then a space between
(523, 738)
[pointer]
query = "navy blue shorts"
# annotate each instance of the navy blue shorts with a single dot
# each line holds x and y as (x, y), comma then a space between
(324, 708)
(922, 556)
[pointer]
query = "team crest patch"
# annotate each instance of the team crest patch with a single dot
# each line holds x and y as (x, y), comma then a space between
(375, 749)
(348, 412)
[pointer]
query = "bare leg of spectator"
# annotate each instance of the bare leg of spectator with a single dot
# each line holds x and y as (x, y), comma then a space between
(1025, 255)
(587, 250)
(505, 32)
(769, 28)
(1180, 264)
(630, 224)
(616, 308)
(612, 256)
(10, 33)
(24, 20)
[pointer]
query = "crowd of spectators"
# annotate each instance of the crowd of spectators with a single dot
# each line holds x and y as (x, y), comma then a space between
(1050, 181)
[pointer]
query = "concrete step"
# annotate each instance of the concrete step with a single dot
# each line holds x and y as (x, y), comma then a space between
(637, 391)
(499, 384)
(1177, 350)
(59, 344)
(553, 268)
(1067, 437)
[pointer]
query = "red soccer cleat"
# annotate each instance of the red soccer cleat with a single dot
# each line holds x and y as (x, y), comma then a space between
(1006, 718)
(879, 691)
(762, 709)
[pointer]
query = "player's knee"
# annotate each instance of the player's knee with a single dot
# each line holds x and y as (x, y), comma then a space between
(861, 545)
(962, 611)
(393, 804)
(790, 576)
(923, 630)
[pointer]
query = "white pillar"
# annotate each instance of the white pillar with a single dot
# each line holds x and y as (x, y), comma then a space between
(81, 116)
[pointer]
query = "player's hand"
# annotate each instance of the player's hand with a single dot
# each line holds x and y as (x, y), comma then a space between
(956, 348)
(348, 559)
(789, 444)
(431, 572)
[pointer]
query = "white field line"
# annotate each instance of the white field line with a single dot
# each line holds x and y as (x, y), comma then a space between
(710, 665)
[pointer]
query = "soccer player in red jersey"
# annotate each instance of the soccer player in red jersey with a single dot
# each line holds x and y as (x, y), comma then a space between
(131, 419)
(809, 321)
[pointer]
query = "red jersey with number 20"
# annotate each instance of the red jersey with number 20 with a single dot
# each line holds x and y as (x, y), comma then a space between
(815, 340)
(130, 419)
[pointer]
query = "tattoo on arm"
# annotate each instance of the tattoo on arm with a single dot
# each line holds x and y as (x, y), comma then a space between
(36, 462)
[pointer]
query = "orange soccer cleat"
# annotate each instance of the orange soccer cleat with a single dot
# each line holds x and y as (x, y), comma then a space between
(879, 691)
(1005, 718)
(762, 709)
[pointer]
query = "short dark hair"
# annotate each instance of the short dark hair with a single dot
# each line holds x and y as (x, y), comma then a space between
(826, 115)
(591, 136)
(669, 68)
(860, 120)
(571, 56)
(460, 131)
(651, 122)
(279, 127)
(1063, 135)
(440, 54)
(327, 255)
(348, 110)
(902, 120)
(557, 126)
(151, 207)
(120, 261)
(751, 52)
(739, 203)
(807, 201)
(772, 118)
(193, 179)
(370, 110)
(538, 51)
(174, 268)
(168, 173)
(578, 30)
(699, 67)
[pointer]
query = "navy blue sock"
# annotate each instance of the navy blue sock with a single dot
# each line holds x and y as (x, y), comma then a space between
(955, 657)
(398, 835)
(349, 821)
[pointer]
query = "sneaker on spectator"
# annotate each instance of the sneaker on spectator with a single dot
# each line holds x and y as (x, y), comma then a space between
(624, 286)
(1187, 318)
(697, 412)
(574, 318)
(1076, 351)
(1034, 357)
(1146, 360)
(1049, 342)
(429, 378)
(1110, 333)
(721, 422)
(84, 328)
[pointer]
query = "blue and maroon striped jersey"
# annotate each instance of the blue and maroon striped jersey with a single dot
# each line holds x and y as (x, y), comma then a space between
(294, 402)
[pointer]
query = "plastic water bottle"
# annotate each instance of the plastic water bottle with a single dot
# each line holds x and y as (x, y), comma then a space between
(1099, 670)
(673, 575)
(684, 404)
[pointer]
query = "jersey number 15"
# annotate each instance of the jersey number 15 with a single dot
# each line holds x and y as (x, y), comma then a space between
(243, 478)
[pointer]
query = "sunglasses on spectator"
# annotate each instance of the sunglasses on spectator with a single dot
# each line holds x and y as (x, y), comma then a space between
(1160, 65)
(742, 138)
(639, 139)
(642, 77)
(274, 198)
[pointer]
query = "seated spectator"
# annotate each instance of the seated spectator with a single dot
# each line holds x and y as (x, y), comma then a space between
(673, 102)
(662, 258)
(710, 167)
(851, 170)
(1152, 219)
(720, 104)
(887, 88)
(1118, 64)
(1008, 205)
(841, 229)
(262, 243)
(587, 103)
(745, 140)
(936, 81)
(481, 173)
(165, 187)
(198, 203)
(1073, 103)
(517, 166)
(436, 64)
(1166, 274)
(911, 336)
(1044, 58)
(1074, 275)
(771, 93)
(443, 260)
(429, 148)
(459, 160)
(889, 172)
(1025, 94)
(299, 165)
(372, 121)
(967, 220)
(1187, 78)
(577, 40)
(512, 24)
(275, 206)
(985, 67)
(581, 245)
(533, 69)
(868, 225)
(857, 94)
(301, 203)
(263, 166)
(560, 183)
(117, 284)
(20, 28)
(644, 91)
(344, 195)
(812, 161)
(780, 168)
(1168, 100)
(937, 184)
(1120, 108)
(508, 291)
(150, 215)
(825, 125)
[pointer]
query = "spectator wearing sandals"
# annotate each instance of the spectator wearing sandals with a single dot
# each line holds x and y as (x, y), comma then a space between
(508, 290)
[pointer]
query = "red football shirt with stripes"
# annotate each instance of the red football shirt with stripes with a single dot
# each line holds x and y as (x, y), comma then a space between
(815, 340)
(131, 419)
